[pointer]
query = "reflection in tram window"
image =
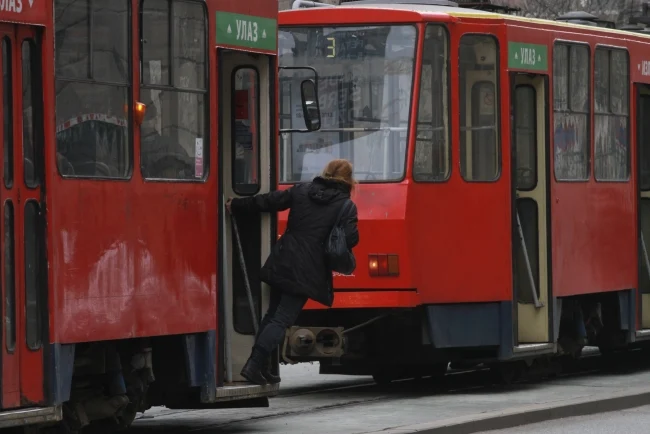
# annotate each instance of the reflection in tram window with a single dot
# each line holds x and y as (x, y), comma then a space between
(365, 83)
(173, 136)
(612, 145)
(7, 109)
(571, 111)
(479, 145)
(92, 88)
(432, 156)
(32, 113)
(245, 130)
(644, 226)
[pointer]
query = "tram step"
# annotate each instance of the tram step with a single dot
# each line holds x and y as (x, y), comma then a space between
(29, 416)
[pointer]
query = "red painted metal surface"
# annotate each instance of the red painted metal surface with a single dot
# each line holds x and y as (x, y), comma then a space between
(35, 12)
(111, 274)
(115, 276)
(119, 277)
(350, 15)
(256, 8)
(370, 300)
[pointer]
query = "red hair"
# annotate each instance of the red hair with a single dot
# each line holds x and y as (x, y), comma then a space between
(340, 170)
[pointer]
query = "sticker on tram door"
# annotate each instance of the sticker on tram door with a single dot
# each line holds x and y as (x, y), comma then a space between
(198, 158)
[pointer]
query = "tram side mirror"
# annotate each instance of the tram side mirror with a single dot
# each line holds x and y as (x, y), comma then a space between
(310, 108)
(299, 105)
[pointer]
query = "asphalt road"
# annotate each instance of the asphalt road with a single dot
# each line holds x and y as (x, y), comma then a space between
(632, 421)
(319, 404)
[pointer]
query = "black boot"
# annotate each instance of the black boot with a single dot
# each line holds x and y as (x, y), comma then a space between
(266, 372)
(252, 370)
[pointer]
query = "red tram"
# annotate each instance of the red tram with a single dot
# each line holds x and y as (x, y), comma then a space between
(120, 289)
(504, 197)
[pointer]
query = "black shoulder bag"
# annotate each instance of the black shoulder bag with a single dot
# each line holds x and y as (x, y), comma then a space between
(339, 257)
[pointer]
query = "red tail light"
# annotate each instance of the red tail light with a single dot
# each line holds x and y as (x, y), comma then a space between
(383, 265)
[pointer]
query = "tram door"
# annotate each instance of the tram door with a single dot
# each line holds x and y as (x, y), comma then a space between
(643, 167)
(245, 126)
(22, 242)
(532, 296)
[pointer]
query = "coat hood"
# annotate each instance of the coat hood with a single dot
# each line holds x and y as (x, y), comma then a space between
(325, 191)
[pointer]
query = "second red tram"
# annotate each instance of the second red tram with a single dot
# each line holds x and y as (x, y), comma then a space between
(504, 196)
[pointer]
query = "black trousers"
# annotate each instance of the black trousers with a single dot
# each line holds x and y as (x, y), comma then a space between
(283, 311)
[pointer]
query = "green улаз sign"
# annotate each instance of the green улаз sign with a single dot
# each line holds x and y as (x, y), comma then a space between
(247, 31)
(527, 56)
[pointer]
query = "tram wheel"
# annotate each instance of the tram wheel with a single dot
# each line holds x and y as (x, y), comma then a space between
(507, 373)
(383, 378)
(439, 369)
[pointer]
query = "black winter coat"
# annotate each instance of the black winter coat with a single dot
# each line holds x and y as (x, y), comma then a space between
(297, 261)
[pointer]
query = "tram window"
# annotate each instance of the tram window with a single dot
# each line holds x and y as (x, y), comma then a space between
(365, 95)
(432, 156)
(173, 135)
(10, 281)
(32, 276)
(246, 131)
(32, 118)
(479, 105)
(643, 139)
(7, 108)
(156, 42)
(612, 147)
(92, 88)
(571, 111)
(526, 136)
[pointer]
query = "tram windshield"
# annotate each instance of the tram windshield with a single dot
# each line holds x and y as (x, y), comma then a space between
(365, 80)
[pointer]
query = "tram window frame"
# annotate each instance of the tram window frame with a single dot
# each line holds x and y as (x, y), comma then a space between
(171, 87)
(570, 46)
(8, 113)
(610, 112)
(96, 78)
(444, 108)
(464, 130)
(252, 188)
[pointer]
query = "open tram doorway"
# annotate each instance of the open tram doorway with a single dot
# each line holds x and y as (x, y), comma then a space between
(245, 169)
(531, 214)
(643, 168)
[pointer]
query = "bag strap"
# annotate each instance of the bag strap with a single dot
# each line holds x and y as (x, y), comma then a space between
(346, 205)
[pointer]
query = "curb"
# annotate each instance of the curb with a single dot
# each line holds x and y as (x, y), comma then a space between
(529, 414)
